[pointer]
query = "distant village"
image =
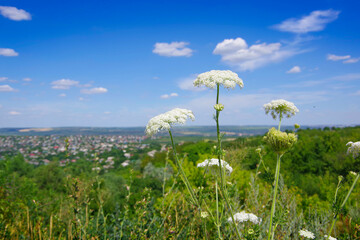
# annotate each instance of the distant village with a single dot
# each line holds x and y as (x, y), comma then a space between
(38, 150)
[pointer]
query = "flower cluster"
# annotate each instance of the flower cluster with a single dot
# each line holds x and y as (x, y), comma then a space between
(213, 78)
(243, 217)
(306, 234)
(280, 141)
(166, 120)
(354, 149)
(330, 238)
(280, 108)
(219, 107)
(213, 165)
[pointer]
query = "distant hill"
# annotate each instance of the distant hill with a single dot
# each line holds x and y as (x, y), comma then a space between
(178, 130)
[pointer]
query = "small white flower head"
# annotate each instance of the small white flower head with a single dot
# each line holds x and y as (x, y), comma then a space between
(166, 120)
(330, 238)
(243, 217)
(204, 214)
(280, 108)
(353, 173)
(213, 165)
(306, 234)
(354, 149)
(213, 78)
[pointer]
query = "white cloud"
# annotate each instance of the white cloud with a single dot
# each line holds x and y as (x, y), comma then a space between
(165, 96)
(14, 13)
(96, 90)
(352, 60)
(62, 95)
(237, 53)
(14, 113)
(295, 69)
(173, 49)
(2, 79)
(347, 77)
(6, 88)
(107, 113)
(333, 57)
(314, 22)
(27, 79)
(64, 84)
(8, 52)
(81, 99)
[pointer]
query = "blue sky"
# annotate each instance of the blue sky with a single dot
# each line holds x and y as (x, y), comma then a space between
(119, 63)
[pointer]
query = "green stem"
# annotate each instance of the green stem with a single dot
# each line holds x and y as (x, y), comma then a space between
(222, 173)
(217, 210)
(219, 138)
(350, 190)
(184, 178)
(277, 173)
(231, 213)
(343, 203)
(332, 225)
(280, 118)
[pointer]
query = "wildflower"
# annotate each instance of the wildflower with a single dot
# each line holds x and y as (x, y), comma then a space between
(354, 149)
(213, 78)
(243, 217)
(251, 231)
(219, 107)
(353, 173)
(280, 141)
(330, 238)
(340, 178)
(204, 214)
(166, 120)
(213, 164)
(280, 108)
(258, 150)
(307, 234)
(296, 126)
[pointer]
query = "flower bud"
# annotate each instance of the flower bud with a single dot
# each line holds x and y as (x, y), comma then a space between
(340, 178)
(219, 107)
(258, 150)
(251, 231)
(279, 141)
(296, 126)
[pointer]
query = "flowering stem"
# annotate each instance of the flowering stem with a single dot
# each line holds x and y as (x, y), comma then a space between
(343, 204)
(219, 138)
(277, 173)
(222, 185)
(217, 210)
(280, 117)
(184, 178)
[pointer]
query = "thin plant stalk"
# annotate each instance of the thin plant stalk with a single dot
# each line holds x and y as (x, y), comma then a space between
(217, 210)
(185, 180)
(343, 204)
(277, 173)
(219, 153)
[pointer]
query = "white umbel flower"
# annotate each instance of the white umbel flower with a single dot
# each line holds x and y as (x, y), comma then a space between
(243, 217)
(212, 78)
(354, 148)
(280, 107)
(166, 120)
(213, 164)
(330, 238)
(306, 234)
